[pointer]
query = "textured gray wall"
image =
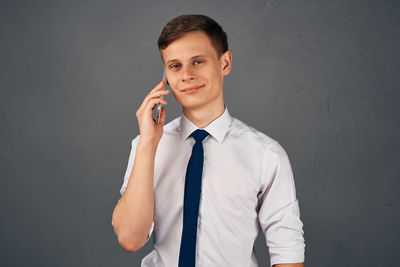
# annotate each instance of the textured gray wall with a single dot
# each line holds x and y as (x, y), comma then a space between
(321, 77)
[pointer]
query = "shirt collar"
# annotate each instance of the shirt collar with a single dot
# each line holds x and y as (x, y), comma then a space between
(217, 128)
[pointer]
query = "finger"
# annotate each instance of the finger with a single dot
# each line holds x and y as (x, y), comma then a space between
(153, 102)
(159, 86)
(153, 95)
(162, 103)
(158, 93)
(162, 117)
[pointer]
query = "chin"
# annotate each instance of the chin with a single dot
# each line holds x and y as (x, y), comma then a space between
(192, 105)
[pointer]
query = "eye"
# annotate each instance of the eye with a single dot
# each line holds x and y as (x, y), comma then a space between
(174, 66)
(198, 62)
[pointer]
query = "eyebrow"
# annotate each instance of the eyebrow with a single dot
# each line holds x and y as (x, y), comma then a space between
(173, 60)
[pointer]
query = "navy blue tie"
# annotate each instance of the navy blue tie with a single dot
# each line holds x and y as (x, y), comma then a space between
(194, 172)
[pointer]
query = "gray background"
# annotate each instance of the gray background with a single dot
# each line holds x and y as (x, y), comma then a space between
(321, 77)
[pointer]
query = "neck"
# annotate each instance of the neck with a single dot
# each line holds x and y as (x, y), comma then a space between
(203, 117)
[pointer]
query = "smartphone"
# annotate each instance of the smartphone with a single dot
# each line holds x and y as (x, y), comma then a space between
(159, 106)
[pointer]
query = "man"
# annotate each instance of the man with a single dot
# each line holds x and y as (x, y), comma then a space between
(206, 198)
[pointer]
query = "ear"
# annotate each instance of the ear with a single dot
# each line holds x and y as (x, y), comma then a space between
(226, 62)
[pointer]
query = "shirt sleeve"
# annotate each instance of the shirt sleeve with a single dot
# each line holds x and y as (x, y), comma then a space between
(127, 175)
(279, 213)
(131, 161)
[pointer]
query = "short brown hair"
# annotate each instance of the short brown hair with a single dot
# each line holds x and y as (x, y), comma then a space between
(184, 24)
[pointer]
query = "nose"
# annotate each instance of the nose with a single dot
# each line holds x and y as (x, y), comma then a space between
(188, 73)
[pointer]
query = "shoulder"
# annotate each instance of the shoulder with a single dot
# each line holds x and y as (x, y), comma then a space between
(172, 127)
(242, 130)
(255, 139)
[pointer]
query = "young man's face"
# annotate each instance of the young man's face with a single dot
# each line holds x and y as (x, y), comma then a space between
(195, 72)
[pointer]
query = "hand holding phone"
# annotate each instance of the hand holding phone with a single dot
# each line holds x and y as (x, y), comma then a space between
(146, 114)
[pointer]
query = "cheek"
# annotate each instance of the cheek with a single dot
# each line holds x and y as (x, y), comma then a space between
(172, 83)
(174, 87)
(173, 90)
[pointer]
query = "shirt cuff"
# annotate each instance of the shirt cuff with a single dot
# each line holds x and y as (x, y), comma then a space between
(151, 231)
(286, 255)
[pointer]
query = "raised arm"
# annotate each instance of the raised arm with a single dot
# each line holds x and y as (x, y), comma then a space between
(133, 215)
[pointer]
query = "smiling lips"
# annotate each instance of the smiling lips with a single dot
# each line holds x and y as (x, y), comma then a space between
(192, 89)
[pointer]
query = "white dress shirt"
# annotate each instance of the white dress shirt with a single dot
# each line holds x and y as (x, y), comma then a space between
(247, 186)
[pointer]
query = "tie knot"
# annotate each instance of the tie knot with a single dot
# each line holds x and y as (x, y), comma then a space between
(199, 135)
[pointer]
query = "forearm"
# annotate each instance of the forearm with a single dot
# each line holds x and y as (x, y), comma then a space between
(133, 215)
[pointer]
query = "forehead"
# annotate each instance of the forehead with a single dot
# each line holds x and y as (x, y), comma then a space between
(191, 44)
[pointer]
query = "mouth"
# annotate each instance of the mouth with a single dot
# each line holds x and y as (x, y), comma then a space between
(192, 89)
